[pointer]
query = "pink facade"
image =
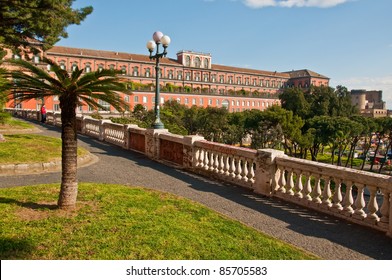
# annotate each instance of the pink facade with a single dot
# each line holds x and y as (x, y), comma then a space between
(191, 79)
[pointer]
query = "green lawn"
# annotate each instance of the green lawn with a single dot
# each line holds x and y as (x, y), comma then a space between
(11, 123)
(117, 222)
(31, 148)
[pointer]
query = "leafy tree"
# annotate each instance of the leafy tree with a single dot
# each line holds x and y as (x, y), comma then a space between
(34, 82)
(28, 22)
(293, 99)
(212, 123)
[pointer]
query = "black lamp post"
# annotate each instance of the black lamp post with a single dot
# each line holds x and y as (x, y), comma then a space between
(158, 38)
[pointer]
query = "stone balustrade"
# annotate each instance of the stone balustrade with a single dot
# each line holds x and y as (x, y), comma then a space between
(356, 196)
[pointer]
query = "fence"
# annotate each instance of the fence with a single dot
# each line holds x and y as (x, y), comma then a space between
(356, 196)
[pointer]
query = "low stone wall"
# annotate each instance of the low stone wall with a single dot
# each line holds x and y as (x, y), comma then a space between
(356, 196)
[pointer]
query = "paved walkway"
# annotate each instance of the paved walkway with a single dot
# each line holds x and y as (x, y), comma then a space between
(325, 236)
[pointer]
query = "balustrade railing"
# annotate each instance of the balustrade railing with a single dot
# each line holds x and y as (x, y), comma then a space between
(356, 196)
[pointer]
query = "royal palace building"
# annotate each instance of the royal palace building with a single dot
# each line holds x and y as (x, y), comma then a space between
(190, 79)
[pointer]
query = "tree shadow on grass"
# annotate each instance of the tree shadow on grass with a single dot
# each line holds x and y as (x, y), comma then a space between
(29, 204)
(15, 248)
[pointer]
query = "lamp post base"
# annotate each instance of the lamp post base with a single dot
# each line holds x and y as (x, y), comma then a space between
(158, 125)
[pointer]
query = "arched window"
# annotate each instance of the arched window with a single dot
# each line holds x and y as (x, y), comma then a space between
(187, 61)
(123, 70)
(87, 68)
(206, 63)
(135, 71)
(197, 62)
(148, 72)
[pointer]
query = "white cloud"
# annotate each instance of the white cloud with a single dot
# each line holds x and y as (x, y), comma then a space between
(370, 83)
(293, 3)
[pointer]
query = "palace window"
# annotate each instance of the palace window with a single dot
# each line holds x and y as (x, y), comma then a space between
(62, 65)
(238, 80)
(179, 75)
(148, 72)
(123, 70)
(87, 68)
(135, 71)
(187, 61)
(36, 59)
(206, 63)
(100, 67)
(187, 76)
(197, 62)
(74, 66)
(136, 99)
(104, 104)
(170, 74)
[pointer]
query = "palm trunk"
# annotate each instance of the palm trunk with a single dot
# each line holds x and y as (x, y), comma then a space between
(69, 183)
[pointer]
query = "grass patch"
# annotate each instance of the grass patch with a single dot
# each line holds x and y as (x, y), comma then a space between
(12, 124)
(31, 148)
(117, 222)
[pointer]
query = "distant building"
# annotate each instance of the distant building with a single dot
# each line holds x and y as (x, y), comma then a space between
(369, 102)
(190, 79)
(306, 78)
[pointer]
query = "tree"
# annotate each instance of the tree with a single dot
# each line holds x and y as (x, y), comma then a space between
(34, 82)
(28, 22)
(293, 99)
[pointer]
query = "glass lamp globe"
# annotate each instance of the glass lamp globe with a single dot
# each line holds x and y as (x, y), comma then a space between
(157, 36)
(165, 40)
(151, 45)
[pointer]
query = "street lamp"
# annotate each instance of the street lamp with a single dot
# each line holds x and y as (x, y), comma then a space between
(158, 38)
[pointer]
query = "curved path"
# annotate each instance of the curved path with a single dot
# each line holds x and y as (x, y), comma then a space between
(325, 236)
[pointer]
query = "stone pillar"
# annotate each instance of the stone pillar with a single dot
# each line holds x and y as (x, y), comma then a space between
(152, 142)
(189, 152)
(266, 170)
(102, 129)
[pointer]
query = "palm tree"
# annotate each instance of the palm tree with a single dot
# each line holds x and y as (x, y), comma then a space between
(71, 88)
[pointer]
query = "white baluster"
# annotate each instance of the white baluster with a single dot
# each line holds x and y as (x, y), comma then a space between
(245, 170)
(290, 185)
(226, 162)
(337, 196)
(385, 208)
(201, 158)
(359, 202)
(251, 172)
(298, 184)
(196, 157)
(308, 187)
(316, 193)
(282, 180)
(206, 160)
(238, 169)
(327, 192)
(212, 162)
(232, 167)
(372, 207)
(348, 199)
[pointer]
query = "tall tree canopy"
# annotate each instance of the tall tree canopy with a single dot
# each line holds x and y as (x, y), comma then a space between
(27, 22)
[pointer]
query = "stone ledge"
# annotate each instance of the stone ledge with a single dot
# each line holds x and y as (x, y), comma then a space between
(44, 167)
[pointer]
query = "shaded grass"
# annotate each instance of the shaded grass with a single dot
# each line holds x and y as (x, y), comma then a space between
(12, 123)
(31, 148)
(118, 222)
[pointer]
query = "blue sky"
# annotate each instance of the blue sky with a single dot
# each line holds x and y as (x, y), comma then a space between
(349, 41)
